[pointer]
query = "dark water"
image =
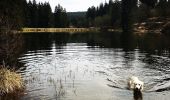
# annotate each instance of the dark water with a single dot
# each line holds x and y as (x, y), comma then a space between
(94, 66)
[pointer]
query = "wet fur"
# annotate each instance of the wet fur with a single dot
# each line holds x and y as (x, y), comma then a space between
(135, 84)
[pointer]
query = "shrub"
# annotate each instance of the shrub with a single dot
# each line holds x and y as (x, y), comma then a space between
(10, 81)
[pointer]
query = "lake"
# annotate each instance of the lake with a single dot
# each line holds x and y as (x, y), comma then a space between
(93, 66)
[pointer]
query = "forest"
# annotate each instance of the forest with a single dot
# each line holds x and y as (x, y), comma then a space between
(15, 14)
(118, 13)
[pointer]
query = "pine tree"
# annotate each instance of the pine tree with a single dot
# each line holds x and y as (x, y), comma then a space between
(60, 17)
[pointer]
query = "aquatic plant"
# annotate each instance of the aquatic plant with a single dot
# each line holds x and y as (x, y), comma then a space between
(10, 81)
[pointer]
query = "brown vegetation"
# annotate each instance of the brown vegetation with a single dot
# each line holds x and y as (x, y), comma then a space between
(154, 24)
(10, 81)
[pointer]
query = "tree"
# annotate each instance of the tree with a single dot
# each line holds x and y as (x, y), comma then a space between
(37, 15)
(115, 13)
(150, 2)
(91, 14)
(44, 15)
(107, 14)
(60, 17)
(127, 6)
(34, 14)
(162, 8)
(10, 18)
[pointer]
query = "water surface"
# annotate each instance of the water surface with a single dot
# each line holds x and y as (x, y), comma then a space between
(94, 66)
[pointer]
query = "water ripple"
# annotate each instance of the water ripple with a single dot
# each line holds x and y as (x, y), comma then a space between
(77, 70)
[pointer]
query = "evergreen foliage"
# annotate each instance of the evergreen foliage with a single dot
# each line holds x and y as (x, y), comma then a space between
(60, 17)
(123, 13)
(15, 14)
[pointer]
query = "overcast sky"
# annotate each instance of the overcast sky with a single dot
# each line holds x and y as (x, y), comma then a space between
(74, 5)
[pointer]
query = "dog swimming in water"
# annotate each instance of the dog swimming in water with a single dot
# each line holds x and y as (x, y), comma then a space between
(135, 84)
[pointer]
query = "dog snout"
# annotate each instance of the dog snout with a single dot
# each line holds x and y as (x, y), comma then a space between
(137, 87)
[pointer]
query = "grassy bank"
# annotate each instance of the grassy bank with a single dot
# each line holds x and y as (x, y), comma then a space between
(10, 81)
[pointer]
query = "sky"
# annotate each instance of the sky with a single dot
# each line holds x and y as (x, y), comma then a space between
(74, 5)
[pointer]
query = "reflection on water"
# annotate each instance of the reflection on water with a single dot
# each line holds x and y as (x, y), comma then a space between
(94, 66)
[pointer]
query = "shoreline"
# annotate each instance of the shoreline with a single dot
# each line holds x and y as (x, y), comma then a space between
(30, 30)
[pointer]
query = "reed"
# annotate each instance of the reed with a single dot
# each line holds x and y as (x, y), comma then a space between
(10, 81)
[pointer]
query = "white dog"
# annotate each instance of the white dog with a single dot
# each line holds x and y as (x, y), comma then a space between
(135, 84)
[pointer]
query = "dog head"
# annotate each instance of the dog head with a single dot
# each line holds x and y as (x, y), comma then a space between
(138, 85)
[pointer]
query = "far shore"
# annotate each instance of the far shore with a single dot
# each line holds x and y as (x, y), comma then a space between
(82, 30)
(30, 30)
(71, 30)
